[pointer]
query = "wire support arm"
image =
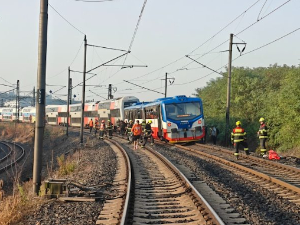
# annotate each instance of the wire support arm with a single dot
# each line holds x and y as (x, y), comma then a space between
(144, 87)
(205, 66)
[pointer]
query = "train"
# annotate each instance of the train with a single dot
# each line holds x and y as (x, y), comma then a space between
(174, 119)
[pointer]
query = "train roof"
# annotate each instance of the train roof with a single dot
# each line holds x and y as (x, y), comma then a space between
(168, 100)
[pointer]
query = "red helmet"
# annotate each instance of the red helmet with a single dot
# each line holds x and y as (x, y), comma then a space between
(102, 121)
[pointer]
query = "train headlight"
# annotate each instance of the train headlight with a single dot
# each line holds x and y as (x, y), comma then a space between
(169, 124)
(199, 121)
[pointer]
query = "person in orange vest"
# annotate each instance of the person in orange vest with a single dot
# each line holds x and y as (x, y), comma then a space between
(102, 129)
(96, 126)
(137, 131)
(238, 136)
(91, 124)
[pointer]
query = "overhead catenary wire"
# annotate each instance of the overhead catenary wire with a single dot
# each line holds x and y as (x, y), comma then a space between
(214, 36)
(256, 49)
(175, 61)
(66, 20)
(133, 37)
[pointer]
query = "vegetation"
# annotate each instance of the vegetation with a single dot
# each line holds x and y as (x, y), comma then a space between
(272, 93)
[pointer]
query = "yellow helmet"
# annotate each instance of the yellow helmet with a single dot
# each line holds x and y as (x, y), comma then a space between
(238, 123)
(261, 119)
(149, 121)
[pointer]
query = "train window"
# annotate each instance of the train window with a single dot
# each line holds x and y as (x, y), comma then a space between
(180, 111)
(115, 113)
(62, 114)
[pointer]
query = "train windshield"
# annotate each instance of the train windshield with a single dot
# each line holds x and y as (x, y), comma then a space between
(183, 111)
(130, 103)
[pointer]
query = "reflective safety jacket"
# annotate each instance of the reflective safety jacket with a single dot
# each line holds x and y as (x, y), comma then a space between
(129, 126)
(96, 125)
(238, 134)
(263, 131)
(102, 126)
(148, 130)
(109, 126)
(91, 123)
(143, 124)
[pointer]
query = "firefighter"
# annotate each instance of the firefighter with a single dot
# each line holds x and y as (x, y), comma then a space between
(238, 136)
(263, 136)
(128, 131)
(109, 128)
(102, 129)
(148, 134)
(122, 127)
(137, 131)
(96, 126)
(143, 124)
(91, 124)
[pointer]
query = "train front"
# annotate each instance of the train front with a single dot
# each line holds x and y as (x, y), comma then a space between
(183, 119)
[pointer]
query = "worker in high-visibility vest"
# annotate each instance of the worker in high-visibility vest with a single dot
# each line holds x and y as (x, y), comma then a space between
(102, 129)
(91, 124)
(238, 136)
(109, 128)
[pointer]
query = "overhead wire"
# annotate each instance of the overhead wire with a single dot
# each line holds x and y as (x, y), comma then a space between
(66, 20)
(175, 61)
(133, 37)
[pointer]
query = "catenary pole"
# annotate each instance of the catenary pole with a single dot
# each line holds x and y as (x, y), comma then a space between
(166, 85)
(33, 97)
(228, 91)
(83, 91)
(18, 101)
(40, 101)
(68, 104)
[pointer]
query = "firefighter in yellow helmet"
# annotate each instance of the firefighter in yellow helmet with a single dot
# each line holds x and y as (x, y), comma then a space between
(238, 137)
(147, 134)
(262, 134)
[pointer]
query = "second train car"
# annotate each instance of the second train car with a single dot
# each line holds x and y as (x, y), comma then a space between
(174, 119)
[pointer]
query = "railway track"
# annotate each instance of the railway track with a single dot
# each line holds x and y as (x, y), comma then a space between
(162, 194)
(13, 155)
(281, 179)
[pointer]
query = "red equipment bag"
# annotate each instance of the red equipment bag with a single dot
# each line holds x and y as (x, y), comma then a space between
(273, 155)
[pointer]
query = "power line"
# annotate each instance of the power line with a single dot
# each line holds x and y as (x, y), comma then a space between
(270, 42)
(175, 61)
(66, 19)
(133, 37)
(144, 87)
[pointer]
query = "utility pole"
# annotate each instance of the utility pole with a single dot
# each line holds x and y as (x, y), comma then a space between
(83, 91)
(68, 104)
(33, 97)
(18, 101)
(228, 91)
(166, 79)
(40, 103)
(71, 87)
(109, 91)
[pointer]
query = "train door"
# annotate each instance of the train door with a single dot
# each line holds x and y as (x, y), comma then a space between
(159, 120)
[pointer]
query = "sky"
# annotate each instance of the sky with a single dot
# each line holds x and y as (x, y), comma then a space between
(168, 31)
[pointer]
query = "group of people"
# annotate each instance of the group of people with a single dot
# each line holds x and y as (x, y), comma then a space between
(238, 137)
(135, 132)
(102, 127)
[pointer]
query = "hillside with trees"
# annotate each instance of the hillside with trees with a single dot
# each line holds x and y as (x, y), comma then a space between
(272, 92)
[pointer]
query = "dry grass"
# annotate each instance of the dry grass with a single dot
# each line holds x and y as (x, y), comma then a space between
(23, 201)
(13, 208)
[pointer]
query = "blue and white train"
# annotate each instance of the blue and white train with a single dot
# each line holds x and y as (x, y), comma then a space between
(174, 119)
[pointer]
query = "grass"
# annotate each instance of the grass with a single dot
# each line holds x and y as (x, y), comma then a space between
(15, 207)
